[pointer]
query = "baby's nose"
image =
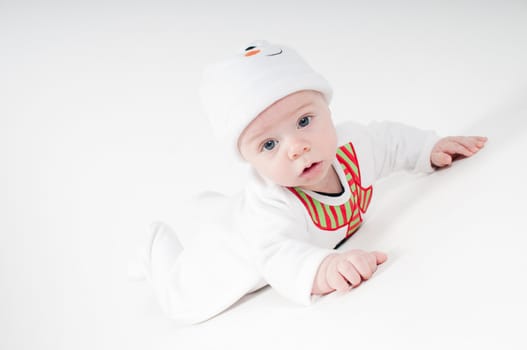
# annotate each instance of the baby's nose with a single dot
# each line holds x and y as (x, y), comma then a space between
(298, 149)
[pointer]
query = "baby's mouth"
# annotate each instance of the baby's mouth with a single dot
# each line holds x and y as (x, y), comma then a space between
(310, 168)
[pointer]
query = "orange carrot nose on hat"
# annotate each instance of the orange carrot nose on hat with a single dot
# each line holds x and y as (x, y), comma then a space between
(235, 90)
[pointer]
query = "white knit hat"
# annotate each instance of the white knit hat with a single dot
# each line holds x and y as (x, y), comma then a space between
(236, 90)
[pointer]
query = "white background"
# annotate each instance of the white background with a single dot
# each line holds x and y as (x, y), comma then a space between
(101, 133)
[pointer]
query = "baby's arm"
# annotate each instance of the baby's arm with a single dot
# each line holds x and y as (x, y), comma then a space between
(447, 149)
(345, 270)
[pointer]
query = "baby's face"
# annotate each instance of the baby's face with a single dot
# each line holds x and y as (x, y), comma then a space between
(293, 142)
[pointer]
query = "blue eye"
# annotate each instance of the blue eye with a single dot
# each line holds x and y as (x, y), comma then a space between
(304, 121)
(269, 145)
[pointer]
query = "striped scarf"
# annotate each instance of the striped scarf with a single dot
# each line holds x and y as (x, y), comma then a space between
(329, 217)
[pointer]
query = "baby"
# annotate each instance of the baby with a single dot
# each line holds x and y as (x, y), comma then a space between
(309, 189)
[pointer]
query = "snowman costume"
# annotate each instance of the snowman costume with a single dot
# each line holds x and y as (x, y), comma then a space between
(268, 234)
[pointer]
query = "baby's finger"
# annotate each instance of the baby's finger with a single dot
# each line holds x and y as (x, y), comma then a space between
(360, 262)
(440, 159)
(381, 257)
(337, 282)
(348, 271)
(480, 140)
(372, 261)
(473, 143)
(454, 147)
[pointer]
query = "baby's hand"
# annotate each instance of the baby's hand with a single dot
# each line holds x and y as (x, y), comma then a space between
(449, 148)
(346, 270)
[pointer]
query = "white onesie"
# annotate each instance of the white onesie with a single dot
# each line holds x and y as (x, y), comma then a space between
(269, 234)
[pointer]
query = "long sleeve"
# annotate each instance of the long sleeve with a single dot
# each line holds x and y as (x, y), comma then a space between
(278, 238)
(290, 266)
(387, 147)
